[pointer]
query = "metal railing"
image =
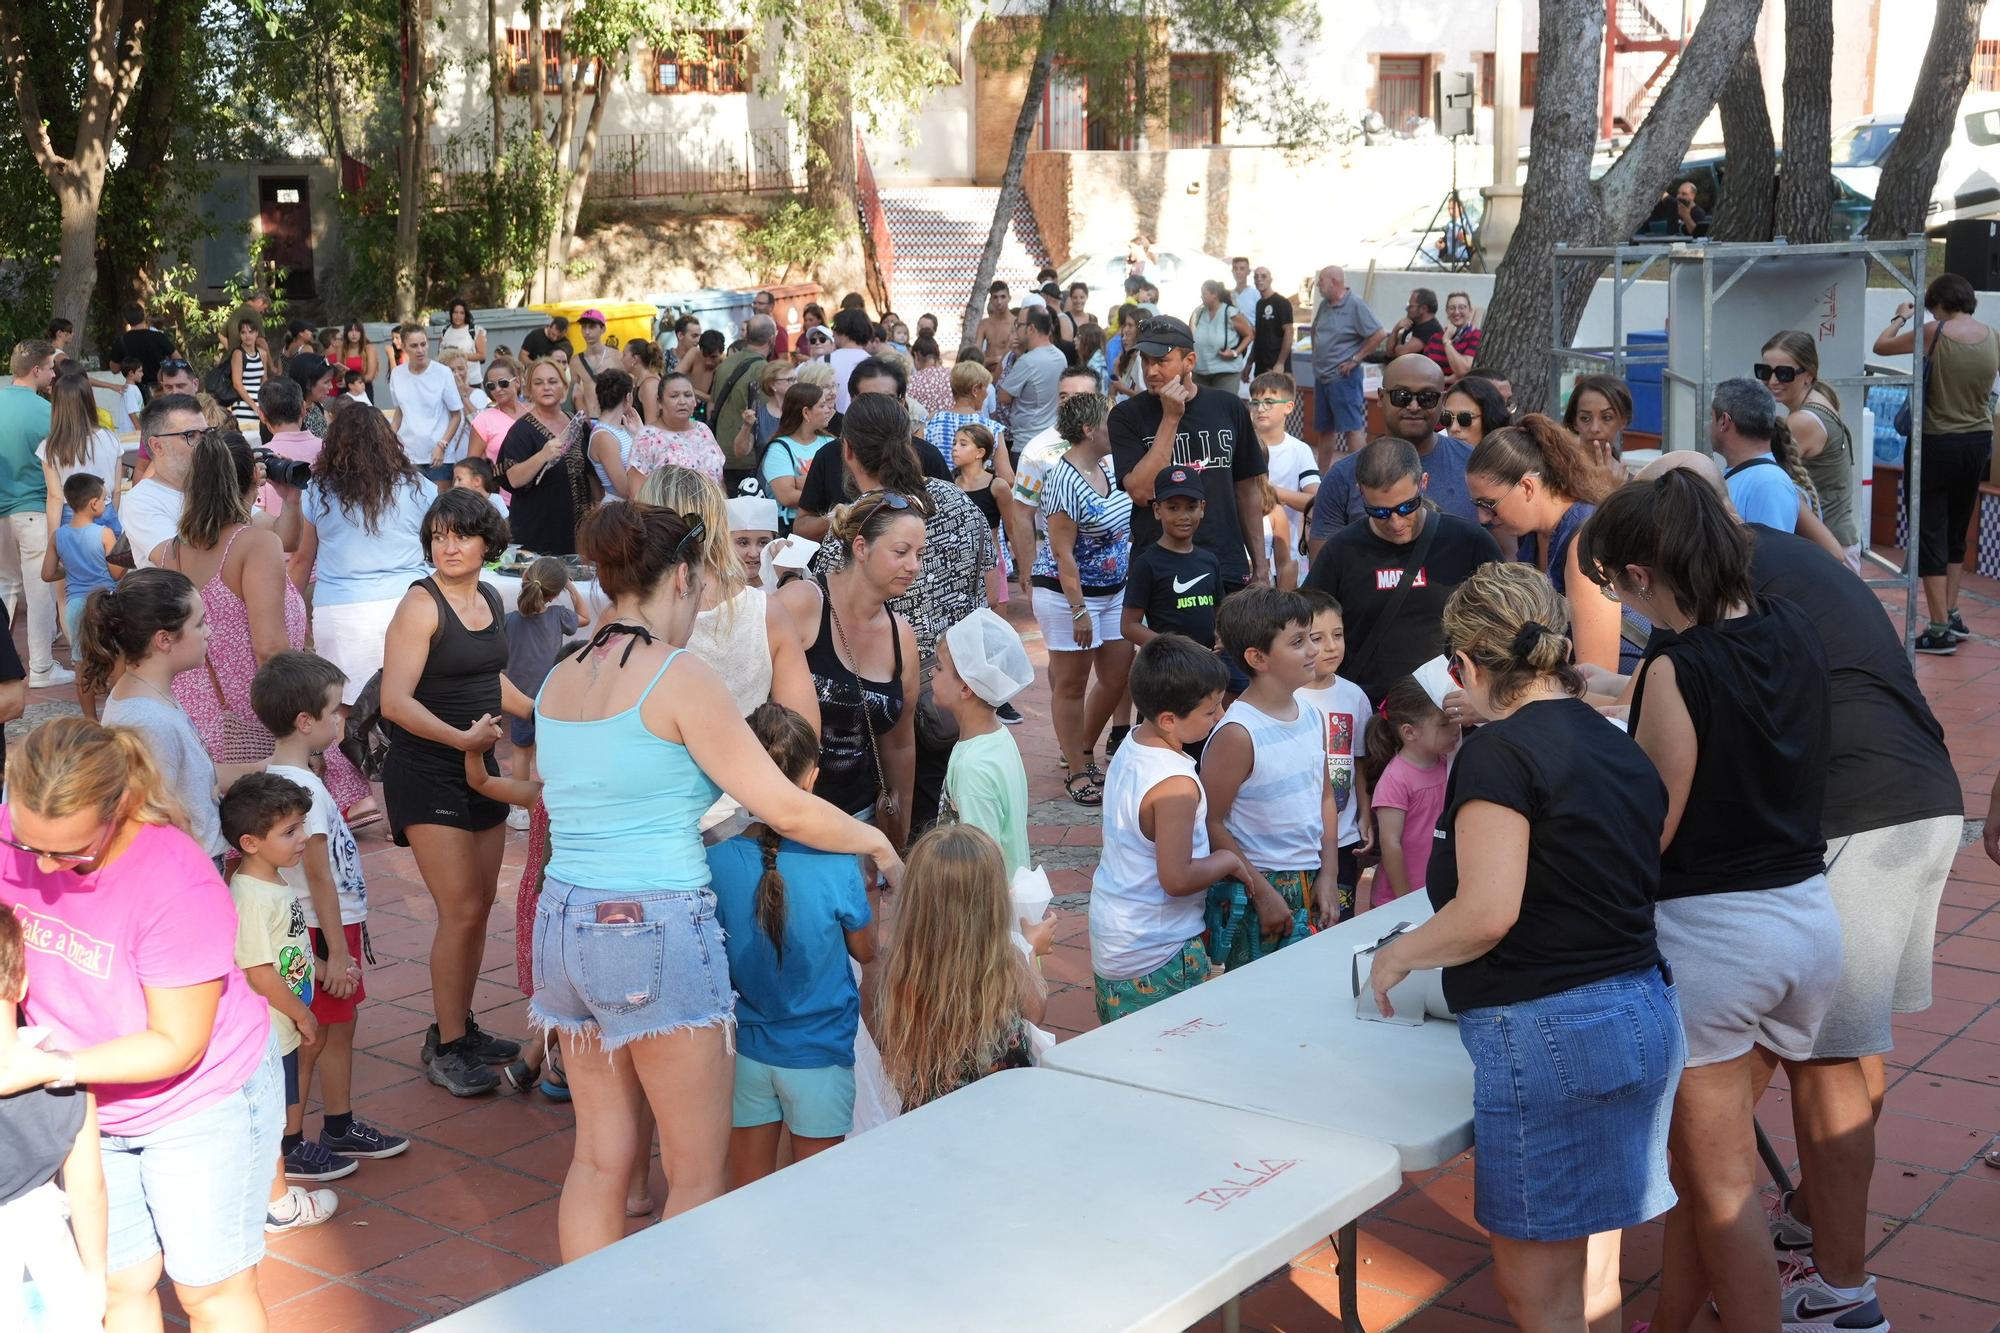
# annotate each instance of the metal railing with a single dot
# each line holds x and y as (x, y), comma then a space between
(659, 165)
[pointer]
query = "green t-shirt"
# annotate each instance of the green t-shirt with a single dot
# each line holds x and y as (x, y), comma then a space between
(24, 424)
(987, 785)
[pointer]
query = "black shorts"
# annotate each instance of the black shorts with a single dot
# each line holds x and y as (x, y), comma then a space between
(421, 789)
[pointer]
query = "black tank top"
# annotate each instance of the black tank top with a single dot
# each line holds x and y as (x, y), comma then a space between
(983, 500)
(847, 771)
(460, 681)
(1757, 689)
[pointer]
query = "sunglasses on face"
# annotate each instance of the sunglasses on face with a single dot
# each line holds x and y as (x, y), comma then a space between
(1464, 419)
(1424, 398)
(495, 385)
(1782, 374)
(1403, 510)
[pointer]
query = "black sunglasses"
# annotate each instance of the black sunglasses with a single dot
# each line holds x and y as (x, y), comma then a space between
(1782, 374)
(174, 365)
(1464, 419)
(1424, 398)
(1403, 510)
(886, 499)
(696, 530)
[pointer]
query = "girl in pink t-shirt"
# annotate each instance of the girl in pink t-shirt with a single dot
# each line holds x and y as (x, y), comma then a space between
(130, 938)
(1407, 764)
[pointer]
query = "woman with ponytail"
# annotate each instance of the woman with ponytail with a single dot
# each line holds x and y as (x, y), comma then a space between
(1731, 704)
(791, 917)
(144, 1005)
(1535, 479)
(1543, 881)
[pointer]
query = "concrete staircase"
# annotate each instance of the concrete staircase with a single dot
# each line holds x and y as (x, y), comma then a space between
(938, 233)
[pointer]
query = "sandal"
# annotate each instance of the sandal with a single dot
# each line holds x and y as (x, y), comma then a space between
(519, 1077)
(1083, 790)
(362, 813)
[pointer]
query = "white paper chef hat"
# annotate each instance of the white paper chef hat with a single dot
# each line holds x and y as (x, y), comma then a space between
(989, 657)
(752, 513)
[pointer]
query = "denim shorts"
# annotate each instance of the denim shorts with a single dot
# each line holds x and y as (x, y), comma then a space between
(645, 978)
(812, 1103)
(195, 1191)
(1339, 403)
(1571, 1096)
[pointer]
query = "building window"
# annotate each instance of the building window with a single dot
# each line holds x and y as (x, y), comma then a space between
(1986, 67)
(552, 62)
(1080, 112)
(1195, 108)
(1402, 89)
(710, 61)
(1530, 68)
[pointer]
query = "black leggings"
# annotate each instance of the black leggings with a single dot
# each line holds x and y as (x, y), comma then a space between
(1954, 467)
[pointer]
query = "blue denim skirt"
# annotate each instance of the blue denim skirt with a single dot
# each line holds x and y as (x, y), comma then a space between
(1572, 1094)
(628, 979)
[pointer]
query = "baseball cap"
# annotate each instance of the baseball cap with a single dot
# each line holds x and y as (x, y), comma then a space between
(989, 658)
(817, 334)
(591, 316)
(1032, 300)
(1162, 334)
(1179, 480)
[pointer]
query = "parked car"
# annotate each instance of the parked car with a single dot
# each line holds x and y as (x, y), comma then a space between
(1706, 170)
(1968, 181)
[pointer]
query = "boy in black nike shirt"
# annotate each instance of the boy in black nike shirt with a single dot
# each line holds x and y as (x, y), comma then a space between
(1173, 585)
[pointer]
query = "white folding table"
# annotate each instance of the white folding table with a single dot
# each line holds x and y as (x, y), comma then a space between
(1280, 1038)
(1029, 1200)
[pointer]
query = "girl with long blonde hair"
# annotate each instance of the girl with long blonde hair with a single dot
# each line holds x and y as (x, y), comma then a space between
(957, 994)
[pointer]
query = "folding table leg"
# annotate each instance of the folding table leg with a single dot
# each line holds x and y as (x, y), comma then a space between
(1772, 1162)
(1347, 1245)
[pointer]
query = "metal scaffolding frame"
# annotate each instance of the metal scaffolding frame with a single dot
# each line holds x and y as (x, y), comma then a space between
(1619, 354)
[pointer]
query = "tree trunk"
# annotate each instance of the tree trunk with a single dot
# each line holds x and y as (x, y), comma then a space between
(1910, 167)
(562, 135)
(579, 175)
(1561, 204)
(1805, 186)
(125, 274)
(496, 73)
(1142, 78)
(1744, 211)
(535, 75)
(1010, 180)
(410, 185)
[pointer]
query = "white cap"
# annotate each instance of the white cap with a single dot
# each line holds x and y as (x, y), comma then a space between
(989, 658)
(752, 513)
(1032, 301)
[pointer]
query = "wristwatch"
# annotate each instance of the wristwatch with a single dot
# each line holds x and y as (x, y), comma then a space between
(67, 1079)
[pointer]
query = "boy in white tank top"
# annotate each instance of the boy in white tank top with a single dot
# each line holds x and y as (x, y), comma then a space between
(1147, 897)
(1269, 798)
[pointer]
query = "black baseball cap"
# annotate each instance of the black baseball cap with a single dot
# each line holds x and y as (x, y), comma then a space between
(1179, 480)
(1162, 334)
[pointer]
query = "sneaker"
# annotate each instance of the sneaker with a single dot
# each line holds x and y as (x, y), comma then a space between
(1118, 735)
(460, 1072)
(1789, 1236)
(307, 1208)
(1808, 1305)
(1937, 642)
(1958, 628)
(311, 1160)
(55, 675)
(1009, 714)
(363, 1140)
(493, 1050)
(517, 819)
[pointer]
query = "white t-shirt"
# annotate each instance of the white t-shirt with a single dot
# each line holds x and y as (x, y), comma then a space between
(1032, 471)
(1294, 467)
(324, 820)
(103, 458)
(150, 513)
(1347, 714)
(130, 403)
(426, 402)
(843, 361)
(1246, 303)
(1135, 925)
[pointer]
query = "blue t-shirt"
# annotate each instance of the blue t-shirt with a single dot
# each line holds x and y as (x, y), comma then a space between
(788, 458)
(1339, 500)
(356, 565)
(1764, 493)
(801, 1013)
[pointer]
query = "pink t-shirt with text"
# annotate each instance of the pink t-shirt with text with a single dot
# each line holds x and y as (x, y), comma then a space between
(1419, 794)
(159, 916)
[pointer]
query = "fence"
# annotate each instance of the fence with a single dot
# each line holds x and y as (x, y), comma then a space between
(659, 164)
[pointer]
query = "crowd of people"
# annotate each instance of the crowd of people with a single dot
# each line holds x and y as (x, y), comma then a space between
(1647, 745)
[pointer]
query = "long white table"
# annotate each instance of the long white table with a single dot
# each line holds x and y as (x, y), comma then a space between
(1280, 1038)
(1030, 1200)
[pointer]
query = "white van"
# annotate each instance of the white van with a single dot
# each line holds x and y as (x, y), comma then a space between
(1968, 183)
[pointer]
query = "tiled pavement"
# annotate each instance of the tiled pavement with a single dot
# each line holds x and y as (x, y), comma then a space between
(470, 1209)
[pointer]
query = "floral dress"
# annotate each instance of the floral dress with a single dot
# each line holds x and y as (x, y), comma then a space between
(655, 447)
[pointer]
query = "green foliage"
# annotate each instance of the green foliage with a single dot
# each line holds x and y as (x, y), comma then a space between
(795, 235)
(199, 325)
(861, 55)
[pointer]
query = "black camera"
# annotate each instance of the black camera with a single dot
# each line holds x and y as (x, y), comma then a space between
(285, 471)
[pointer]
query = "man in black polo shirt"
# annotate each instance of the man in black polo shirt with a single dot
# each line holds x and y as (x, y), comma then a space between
(1399, 536)
(1176, 421)
(540, 342)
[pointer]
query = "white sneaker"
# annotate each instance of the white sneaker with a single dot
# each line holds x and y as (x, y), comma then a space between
(308, 1208)
(55, 675)
(517, 819)
(1811, 1306)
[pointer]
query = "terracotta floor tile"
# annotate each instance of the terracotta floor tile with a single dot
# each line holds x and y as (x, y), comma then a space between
(1940, 1146)
(1067, 964)
(280, 1280)
(547, 1157)
(374, 1073)
(472, 1196)
(497, 1126)
(1899, 1191)
(1935, 1096)
(1986, 1027)
(1912, 1308)
(1963, 983)
(1437, 1319)
(335, 1308)
(1912, 1048)
(1639, 1252)
(449, 1275)
(1985, 926)
(408, 1107)
(399, 980)
(1443, 1205)
(1477, 1295)
(1950, 1017)
(1946, 1260)
(1401, 1259)
(1970, 1203)
(384, 1023)
(1968, 951)
(1974, 1061)
(1305, 1300)
(356, 1240)
(530, 1233)
(1074, 1009)
(423, 1162)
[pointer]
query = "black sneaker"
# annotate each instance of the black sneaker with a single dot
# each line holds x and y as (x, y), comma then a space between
(489, 1048)
(1009, 714)
(459, 1072)
(1958, 627)
(1937, 642)
(363, 1140)
(1117, 738)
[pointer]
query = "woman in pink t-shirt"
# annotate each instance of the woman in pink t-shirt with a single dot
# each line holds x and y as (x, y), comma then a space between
(131, 941)
(503, 386)
(1407, 765)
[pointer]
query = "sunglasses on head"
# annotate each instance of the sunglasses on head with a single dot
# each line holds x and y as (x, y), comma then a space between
(886, 499)
(174, 365)
(1403, 510)
(1782, 374)
(1424, 398)
(696, 530)
(1464, 419)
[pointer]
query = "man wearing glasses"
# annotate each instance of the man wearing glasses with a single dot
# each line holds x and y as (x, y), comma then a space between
(151, 511)
(1393, 629)
(24, 424)
(1412, 389)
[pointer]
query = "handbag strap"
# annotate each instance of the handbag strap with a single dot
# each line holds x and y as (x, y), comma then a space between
(861, 694)
(1411, 568)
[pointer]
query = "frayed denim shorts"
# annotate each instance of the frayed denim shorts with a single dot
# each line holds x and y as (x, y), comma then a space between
(1571, 1095)
(626, 980)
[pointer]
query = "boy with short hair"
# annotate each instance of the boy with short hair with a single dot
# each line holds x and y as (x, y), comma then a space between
(297, 696)
(980, 666)
(1269, 797)
(80, 551)
(1347, 713)
(1294, 474)
(45, 1131)
(1173, 585)
(264, 819)
(1148, 896)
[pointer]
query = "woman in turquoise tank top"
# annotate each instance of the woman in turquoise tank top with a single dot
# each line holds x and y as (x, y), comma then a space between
(634, 739)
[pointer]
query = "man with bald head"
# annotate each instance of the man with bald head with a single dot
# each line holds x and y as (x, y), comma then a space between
(1412, 388)
(1344, 332)
(1892, 819)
